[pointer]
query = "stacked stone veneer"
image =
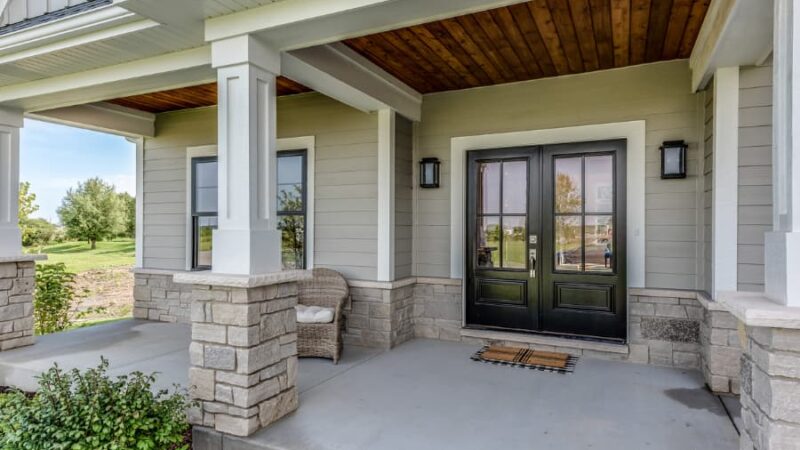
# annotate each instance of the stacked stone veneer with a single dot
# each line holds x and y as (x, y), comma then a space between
(16, 304)
(771, 389)
(243, 355)
(721, 344)
(157, 297)
(438, 310)
(379, 315)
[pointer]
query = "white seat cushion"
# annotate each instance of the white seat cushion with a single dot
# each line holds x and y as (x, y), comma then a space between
(314, 314)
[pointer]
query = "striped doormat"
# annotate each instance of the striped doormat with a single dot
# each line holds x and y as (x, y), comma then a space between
(523, 357)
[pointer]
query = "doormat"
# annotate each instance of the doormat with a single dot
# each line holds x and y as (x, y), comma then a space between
(529, 359)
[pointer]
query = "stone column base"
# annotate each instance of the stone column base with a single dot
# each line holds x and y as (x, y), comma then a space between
(244, 350)
(17, 281)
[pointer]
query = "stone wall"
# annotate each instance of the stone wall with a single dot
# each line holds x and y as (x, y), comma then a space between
(157, 297)
(438, 309)
(771, 389)
(16, 304)
(664, 327)
(721, 346)
(243, 353)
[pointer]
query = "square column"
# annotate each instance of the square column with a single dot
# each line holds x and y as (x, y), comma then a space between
(247, 241)
(782, 244)
(10, 236)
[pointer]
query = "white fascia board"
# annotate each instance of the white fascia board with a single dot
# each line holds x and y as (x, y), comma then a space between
(79, 40)
(734, 33)
(290, 25)
(279, 14)
(105, 117)
(344, 75)
(158, 72)
(98, 19)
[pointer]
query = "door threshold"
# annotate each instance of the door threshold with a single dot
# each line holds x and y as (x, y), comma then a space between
(542, 339)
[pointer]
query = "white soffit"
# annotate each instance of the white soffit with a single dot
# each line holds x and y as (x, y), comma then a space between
(734, 33)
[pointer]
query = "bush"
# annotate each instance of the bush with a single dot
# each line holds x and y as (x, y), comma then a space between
(87, 411)
(37, 232)
(53, 298)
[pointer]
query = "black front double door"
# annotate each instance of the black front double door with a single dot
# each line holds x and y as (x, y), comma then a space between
(545, 239)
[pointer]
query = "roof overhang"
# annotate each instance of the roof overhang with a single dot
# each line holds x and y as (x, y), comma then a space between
(734, 33)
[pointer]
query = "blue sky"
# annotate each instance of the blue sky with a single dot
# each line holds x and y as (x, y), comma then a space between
(54, 158)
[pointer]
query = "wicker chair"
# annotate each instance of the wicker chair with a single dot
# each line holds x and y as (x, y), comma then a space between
(328, 289)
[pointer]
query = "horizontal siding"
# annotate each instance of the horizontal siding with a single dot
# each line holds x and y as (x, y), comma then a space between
(755, 174)
(345, 181)
(403, 201)
(658, 93)
(708, 188)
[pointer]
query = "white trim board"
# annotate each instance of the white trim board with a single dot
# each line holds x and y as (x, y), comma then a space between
(139, 236)
(306, 143)
(633, 132)
(386, 213)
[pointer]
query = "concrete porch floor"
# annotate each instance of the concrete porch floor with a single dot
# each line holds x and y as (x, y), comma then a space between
(427, 395)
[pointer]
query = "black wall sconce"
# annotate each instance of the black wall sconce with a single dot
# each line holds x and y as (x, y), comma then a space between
(673, 159)
(429, 172)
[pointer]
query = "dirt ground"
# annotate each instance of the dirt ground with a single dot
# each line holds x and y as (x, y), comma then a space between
(105, 293)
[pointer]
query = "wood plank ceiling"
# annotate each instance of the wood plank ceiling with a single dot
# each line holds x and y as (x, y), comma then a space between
(535, 39)
(192, 97)
(524, 41)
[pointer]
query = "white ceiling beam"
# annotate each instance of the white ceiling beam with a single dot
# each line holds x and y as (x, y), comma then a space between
(734, 33)
(161, 72)
(105, 117)
(340, 73)
(294, 24)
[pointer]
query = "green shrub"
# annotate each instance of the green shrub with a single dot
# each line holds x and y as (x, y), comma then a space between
(37, 232)
(53, 298)
(89, 411)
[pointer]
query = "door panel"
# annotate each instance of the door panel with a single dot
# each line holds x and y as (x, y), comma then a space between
(544, 248)
(583, 270)
(500, 199)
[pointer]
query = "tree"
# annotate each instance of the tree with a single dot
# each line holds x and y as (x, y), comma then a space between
(92, 212)
(27, 201)
(128, 205)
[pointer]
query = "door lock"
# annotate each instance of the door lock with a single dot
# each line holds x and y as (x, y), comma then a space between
(532, 261)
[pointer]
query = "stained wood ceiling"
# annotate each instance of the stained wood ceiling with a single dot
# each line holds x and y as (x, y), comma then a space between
(524, 41)
(535, 39)
(192, 97)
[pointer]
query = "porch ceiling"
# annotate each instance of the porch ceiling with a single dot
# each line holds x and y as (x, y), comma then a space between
(192, 97)
(535, 39)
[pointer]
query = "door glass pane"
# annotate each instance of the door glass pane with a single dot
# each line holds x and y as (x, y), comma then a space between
(515, 187)
(488, 245)
(568, 185)
(203, 231)
(292, 241)
(568, 243)
(600, 184)
(205, 187)
(514, 232)
(599, 238)
(489, 188)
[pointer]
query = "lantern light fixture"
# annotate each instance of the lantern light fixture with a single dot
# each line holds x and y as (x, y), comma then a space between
(673, 159)
(429, 173)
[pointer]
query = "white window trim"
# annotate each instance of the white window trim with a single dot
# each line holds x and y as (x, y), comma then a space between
(306, 143)
(633, 132)
(139, 236)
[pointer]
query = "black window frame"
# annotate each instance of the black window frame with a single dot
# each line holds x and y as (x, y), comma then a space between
(304, 211)
(195, 215)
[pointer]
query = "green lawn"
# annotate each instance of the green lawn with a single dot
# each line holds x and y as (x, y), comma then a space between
(79, 257)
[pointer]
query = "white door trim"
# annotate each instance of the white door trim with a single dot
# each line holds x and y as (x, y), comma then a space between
(306, 143)
(633, 131)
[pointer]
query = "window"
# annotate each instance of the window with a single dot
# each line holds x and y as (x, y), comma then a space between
(584, 214)
(292, 186)
(204, 209)
(502, 215)
(291, 190)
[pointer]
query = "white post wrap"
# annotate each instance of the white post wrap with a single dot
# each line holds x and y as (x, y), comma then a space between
(247, 241)
(10, 236)
(782, 244)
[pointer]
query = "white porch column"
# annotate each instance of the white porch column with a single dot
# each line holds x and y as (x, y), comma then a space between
(725, 203)
(10, 237)
(247, 241)
(782, 244)
(386, 213)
